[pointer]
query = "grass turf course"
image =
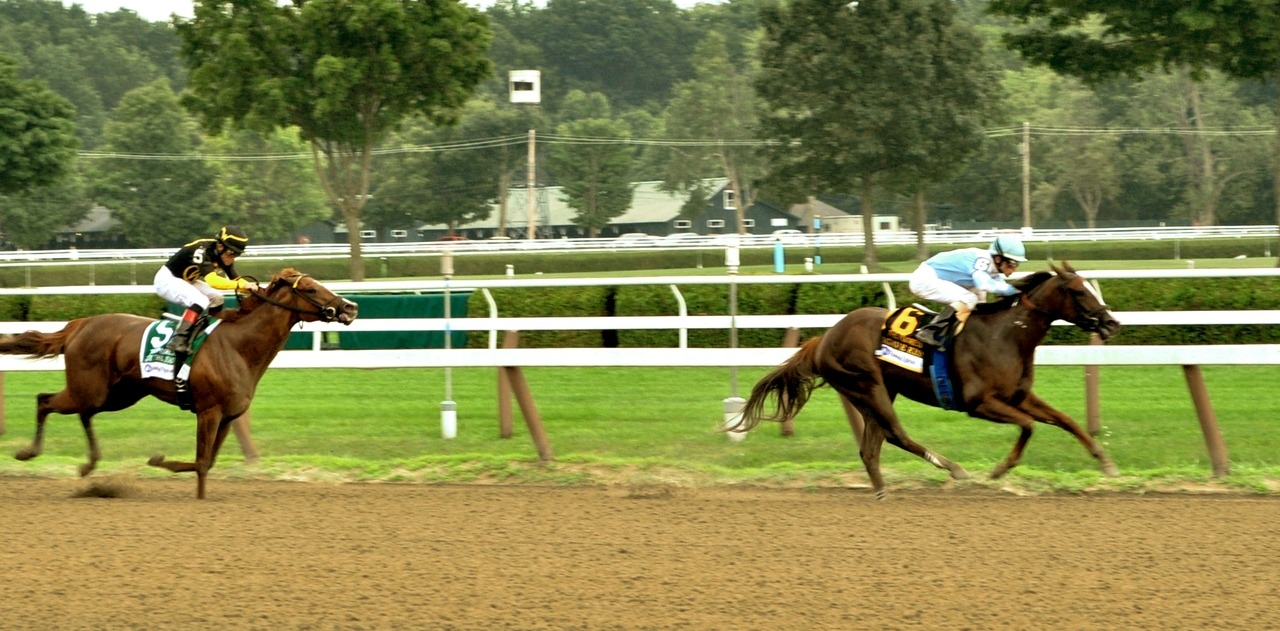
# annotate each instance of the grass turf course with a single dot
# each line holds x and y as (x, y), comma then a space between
(642, 425)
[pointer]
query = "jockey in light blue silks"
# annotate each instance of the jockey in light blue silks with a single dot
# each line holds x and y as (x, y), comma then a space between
(962, 278)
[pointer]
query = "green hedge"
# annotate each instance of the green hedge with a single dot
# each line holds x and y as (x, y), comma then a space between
(787, 298)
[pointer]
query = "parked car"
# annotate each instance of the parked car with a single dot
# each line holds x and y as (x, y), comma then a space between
(790, 236)
(681, 238)
(634, 239)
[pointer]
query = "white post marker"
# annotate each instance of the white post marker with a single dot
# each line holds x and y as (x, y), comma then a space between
(733, 404)
(733, 414)
(448, 408)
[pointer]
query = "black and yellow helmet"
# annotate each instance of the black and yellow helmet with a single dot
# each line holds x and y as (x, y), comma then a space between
(233, 238)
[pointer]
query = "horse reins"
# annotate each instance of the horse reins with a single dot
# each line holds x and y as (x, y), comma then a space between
(1026, 299)
(324, 311)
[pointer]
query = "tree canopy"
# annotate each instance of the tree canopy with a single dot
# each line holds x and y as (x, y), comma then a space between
(345, 74)
(37, 132)
(878, 93)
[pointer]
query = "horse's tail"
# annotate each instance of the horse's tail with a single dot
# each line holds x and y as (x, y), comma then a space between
(36, 344)
(790, 384)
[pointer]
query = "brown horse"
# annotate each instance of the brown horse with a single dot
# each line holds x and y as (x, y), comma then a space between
(104, 374)
(993, 364)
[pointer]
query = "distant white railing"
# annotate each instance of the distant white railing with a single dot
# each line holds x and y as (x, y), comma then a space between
(832, 239)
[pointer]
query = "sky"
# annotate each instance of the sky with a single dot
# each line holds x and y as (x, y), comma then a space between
(160, 10)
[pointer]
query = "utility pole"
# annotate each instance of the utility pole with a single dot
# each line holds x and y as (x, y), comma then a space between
(526, 89)
(1026, 175)
(531, 181)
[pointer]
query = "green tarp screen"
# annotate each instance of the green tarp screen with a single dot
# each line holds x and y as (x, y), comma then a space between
(386, 306)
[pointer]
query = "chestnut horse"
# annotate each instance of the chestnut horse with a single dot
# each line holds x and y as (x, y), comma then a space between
(992, 361)
(103, 369)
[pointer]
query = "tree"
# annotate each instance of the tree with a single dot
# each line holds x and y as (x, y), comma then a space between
(163, 200)
(878, 93)
(30, 218)
(595, 175)
(37, 133)
(1097, 40)
(345, 74)
(632, 51)
(258, 186)
(424, 184)
(718, 104)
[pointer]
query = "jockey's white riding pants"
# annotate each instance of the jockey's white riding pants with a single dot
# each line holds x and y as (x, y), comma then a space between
(924, 282)
(181, 292)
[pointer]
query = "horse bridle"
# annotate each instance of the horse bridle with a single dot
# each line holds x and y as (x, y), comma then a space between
(1092, 320)
(325, 311)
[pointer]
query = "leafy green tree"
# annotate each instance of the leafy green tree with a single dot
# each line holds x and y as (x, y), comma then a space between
(632, 51)
(345, 74)
(1097, 40)
(883, 94)
(149, 175)
(718, 107)
(502, 163)
(595, 175)
(29, 219)
(425, 184)
(37, 132)
(256, 186)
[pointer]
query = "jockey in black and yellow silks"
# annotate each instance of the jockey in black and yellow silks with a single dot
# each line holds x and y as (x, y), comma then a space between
(195, 277)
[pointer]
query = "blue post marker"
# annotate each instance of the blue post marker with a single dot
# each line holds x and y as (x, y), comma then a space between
(817, 240)
(779, 262)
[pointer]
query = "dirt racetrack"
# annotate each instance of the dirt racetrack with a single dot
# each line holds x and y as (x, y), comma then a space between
(291, 555)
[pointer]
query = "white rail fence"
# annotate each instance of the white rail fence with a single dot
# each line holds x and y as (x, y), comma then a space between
(37, 258)
(511, 359)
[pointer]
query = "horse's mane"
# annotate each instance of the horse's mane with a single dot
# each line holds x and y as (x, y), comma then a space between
(1025, 285)
(250, 300)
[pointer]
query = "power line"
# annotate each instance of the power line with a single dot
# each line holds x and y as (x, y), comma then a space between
(505, 141)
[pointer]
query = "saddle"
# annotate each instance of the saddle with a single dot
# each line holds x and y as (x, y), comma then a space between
(902, 344)
(941, 330)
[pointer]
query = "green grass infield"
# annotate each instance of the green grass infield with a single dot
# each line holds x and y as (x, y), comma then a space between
(659, 426)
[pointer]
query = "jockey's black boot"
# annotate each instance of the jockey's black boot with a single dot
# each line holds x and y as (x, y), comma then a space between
(935, 332)
(180, 342)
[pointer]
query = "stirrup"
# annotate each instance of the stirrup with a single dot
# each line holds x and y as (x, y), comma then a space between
(931, 335)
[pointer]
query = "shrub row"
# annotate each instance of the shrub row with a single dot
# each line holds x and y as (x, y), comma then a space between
(819, 298)
(1124, 295)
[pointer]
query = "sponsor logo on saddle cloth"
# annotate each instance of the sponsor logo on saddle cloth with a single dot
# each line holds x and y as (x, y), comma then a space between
(898, 346)
(155, 359)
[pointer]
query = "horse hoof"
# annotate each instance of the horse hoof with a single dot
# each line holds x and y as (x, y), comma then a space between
(999, 471)
(156, 460)
(26, 454)
(86, 469)
(959, 474)
(1110, 470)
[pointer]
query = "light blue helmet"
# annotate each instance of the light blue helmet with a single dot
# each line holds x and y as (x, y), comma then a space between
(1010, 248)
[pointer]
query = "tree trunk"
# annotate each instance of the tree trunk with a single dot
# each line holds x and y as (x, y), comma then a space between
(1276, 182)
(917, 224)
(355, 263)
(1208, 182)
(504, 185)
(740, 207)
(868, 224)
